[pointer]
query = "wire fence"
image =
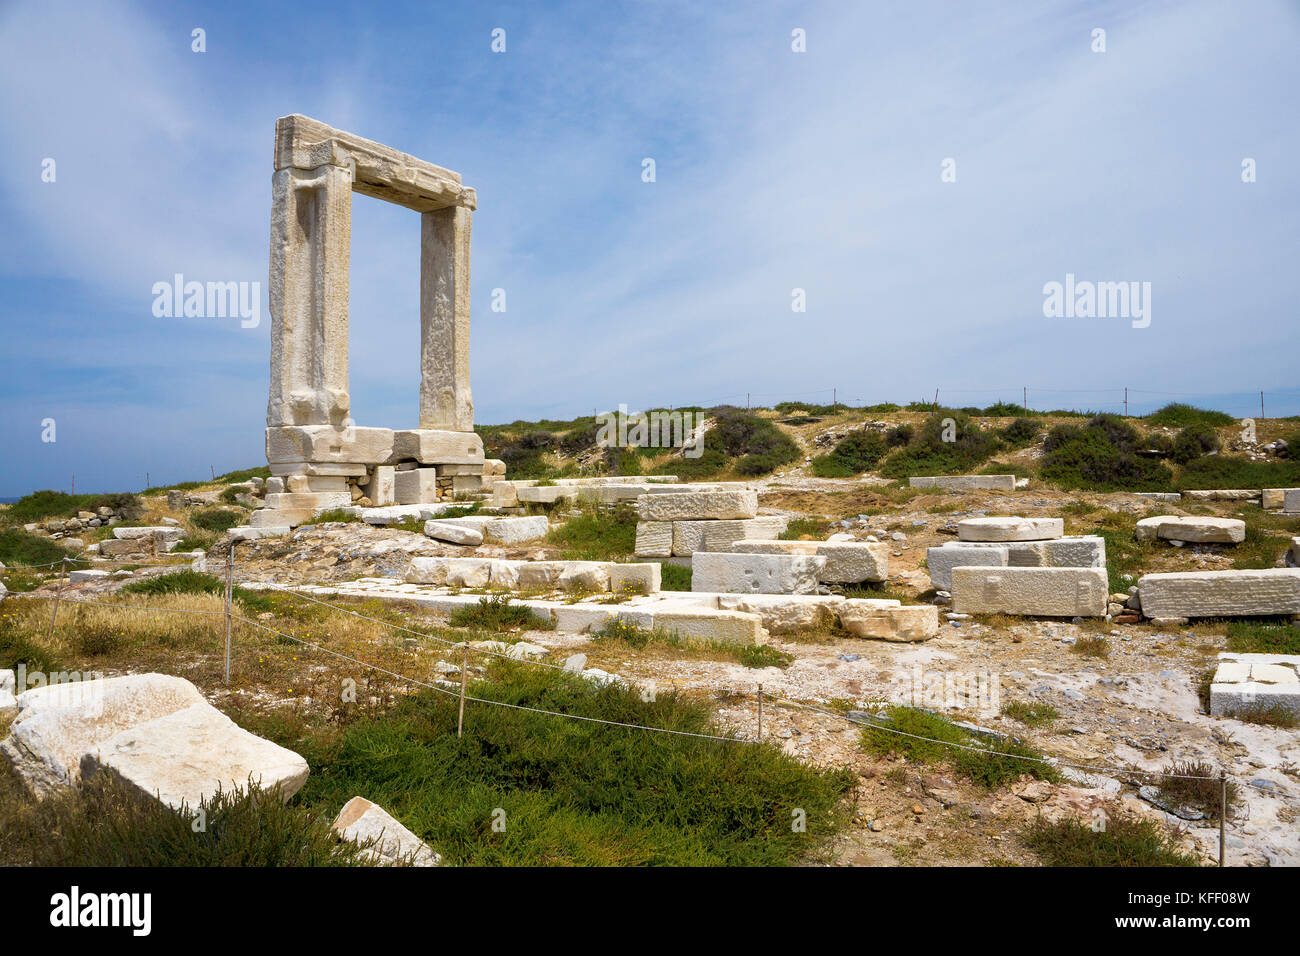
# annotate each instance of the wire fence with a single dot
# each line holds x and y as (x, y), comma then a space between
(872, 726)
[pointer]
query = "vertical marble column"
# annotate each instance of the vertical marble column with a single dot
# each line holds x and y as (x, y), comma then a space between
(445, 400)
(311, 235)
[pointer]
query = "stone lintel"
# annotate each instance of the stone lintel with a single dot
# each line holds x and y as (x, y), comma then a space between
(377, 170)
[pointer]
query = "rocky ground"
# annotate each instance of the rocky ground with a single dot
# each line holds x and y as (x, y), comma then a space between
(1136, 708)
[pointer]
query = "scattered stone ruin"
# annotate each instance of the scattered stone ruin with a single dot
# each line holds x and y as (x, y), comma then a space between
(316, 452)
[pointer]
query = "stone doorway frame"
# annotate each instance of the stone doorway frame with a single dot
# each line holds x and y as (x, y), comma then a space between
(309, 430)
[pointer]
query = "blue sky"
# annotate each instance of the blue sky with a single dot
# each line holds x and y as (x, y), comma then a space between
(775, 170)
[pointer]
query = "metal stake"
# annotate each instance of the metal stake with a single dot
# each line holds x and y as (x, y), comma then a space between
(464, 675)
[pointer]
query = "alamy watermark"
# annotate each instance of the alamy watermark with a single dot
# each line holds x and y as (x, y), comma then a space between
(208, 300)
(1098, 300)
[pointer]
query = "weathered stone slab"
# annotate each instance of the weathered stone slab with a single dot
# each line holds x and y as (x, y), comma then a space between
(942, 560)
(433, 446)
(310, 501)
(59, 723)
(1291, 501)
(185, 757)
(415, 486)
(1076, 551)
(699, 505)
(1192, 528)
(76, 577)
(755, 573)
(1223, 494)
(900, 623)
(1246, 681)
(288, 444)
(1040, 592)
(692, 536)
(453, 533)
(361, 821)
(847, 562)
(1009, 529)
(585, 576)
(1220, 593)
(707, 624)
(966, 482)
(467, 572)
(786, 613)
(254, 534)
(381, 489)
(1168, 497)
(514, 530)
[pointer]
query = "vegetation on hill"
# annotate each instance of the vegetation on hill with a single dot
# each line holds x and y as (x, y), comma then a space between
(40, 505)
(945, 445)
(1179, 415)
(1101, 455)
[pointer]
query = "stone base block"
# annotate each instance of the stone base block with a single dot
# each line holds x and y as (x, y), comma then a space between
(1192, 528)
(328, 444)
(1040, 592)
(1079, 551)
(431, 446)
(416, 486)
(642, 577)
(308, 501)
(707, 624)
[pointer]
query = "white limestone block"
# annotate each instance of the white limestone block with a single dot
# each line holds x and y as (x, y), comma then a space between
(720, 535)
(692, 506)
(589, 576)
(185, 757)
(381, 489)
(1074, 551)
(416, 486)
(288, 444)
(58, 723)
(966, 482)
(361, 821)
(710, 624)
(755, 573)
(943, 559)
(1246, 681)
(847, 562)
(1041, 592)
(428, 571)
(904, 623)
(75, 577)
(515, 530)
(468, 572)
(644, 577)
(1009, 529)
(786, 613)
(453, 533)
(1193, 528)
(438, 446)
(1183, 594)
(253, 534)
(654, 539)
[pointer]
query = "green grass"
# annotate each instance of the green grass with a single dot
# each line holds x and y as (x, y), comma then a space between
(1091, 646)
(1121, 842)
(980, 766)
(1031, 715)
(598, 534)
(570, 792)
(107, 824)
(674, 577)
(628, 634)
(818, 528)
(498, 614)
(18, 548)
(1263, 636)
(188, 581)
(857, 452)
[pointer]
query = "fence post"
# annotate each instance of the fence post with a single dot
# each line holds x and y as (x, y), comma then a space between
(464, 675)
(230, 572)
(760, 711)
(1223, 808)
(63, 567)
